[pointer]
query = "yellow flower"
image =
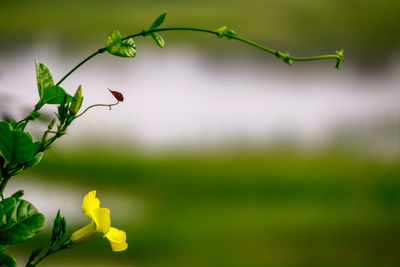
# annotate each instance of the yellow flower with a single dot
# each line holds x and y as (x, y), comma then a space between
(100, 224)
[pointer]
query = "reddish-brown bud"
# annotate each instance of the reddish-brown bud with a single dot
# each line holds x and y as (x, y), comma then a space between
(117, 95)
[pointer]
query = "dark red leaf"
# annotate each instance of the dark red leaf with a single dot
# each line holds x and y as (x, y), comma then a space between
(117, 95)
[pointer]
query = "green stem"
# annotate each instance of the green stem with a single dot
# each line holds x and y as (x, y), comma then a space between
(101, 50)
(313, 58)
(51, 251)
(146, 32)
(26, 119)
(46, 143)
(97, 105)
(274, 52)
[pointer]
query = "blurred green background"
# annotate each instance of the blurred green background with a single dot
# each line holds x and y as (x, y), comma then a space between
(244, 202)
(367, 30)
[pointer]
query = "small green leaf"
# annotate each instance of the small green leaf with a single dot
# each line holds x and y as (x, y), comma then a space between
(158, 21)
(158, 39)
(117, 47)
(20, 224)
(18, 194)
(225, 32)
(44, 78)
(34, 254)
(48, 92)
(15, 145)
(7, 261)
(35, 160)
(57, 228)
(221, 30)
(33, 115)
(17, 170)
(53, 95)
(127, 48)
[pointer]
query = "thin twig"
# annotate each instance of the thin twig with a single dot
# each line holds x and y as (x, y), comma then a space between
(97, 105)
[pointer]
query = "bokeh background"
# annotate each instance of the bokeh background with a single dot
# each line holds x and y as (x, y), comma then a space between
(221, 155)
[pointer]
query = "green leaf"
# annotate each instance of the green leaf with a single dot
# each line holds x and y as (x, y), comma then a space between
(18, 194)
(36, 252)
(225, 32)
(221, 30)
(57, 229)
(53, 95)
(20, 224)
(7, 261)
(117, 47)
(6, 206)
(44, 78)
(34, 161)
(48, 92)
(158, 39)
(158, 21)
(15, 145)
(33, 115)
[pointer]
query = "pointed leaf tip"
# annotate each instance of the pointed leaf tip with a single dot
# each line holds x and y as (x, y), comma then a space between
(159, 20)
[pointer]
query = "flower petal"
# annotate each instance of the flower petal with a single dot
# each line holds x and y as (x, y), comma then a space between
(90, 203)
(117, 239)
(101, 218)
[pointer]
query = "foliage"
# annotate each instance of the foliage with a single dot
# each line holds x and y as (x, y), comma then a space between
(19, 219)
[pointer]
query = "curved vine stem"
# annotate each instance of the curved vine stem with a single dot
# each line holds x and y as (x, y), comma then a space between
(80, 64)
(284, 56)
(96, 105)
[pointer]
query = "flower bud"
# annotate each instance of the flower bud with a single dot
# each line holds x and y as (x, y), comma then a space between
(76, 101)
(117, 95)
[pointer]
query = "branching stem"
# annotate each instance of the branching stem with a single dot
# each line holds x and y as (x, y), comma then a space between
(285, 57)
(52, 250)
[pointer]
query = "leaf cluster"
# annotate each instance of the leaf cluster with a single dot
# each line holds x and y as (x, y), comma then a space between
(19, 221)
(125, 46)
(58, 241)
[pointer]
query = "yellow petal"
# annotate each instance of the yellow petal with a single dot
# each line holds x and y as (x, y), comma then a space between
(101, 218)
(117, 239)
(90, 203)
